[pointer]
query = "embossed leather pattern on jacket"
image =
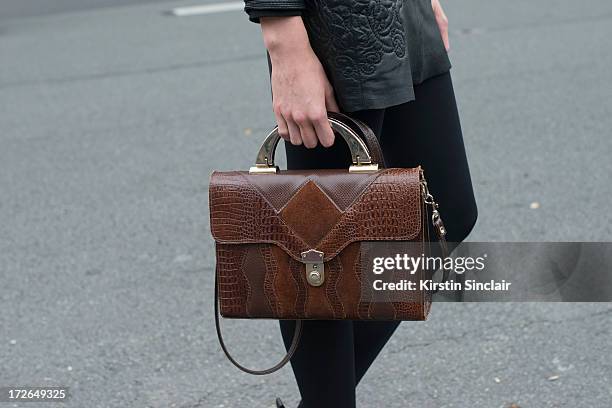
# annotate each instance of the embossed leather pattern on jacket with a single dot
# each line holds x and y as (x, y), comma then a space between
(370, 29)
(262, 224)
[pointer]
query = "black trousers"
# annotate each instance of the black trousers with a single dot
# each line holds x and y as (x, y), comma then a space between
(333, 356)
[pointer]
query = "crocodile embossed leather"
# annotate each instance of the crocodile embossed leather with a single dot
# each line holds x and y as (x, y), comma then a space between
(288, 243)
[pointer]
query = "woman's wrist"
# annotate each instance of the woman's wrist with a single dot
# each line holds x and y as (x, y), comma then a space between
(284, 36)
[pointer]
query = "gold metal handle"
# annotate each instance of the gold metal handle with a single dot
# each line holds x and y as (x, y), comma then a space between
(362, 162)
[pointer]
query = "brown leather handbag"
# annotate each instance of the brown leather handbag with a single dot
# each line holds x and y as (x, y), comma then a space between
(290, 244)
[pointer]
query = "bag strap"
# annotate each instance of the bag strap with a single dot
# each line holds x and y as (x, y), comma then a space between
(294, 342)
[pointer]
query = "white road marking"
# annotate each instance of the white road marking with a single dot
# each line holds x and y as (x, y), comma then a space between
(207, 9)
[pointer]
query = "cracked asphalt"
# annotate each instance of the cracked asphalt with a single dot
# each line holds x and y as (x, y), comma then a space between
(112, 119)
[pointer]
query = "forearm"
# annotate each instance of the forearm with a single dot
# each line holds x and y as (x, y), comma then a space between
(301, 92)
(284, 36)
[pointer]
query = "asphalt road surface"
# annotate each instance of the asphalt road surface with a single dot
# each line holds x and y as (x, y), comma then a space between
(111, 120)
(15, 9)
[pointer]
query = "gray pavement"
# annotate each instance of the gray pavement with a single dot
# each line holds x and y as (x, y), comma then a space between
(111, 120)
(11, 9)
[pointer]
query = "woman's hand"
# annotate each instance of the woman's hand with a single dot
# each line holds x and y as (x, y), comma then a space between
(301, 92)
(442, 21)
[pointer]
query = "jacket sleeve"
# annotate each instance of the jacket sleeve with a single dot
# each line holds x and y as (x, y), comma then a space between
(272, 8)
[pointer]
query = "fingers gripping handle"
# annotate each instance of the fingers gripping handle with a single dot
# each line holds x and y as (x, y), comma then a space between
(342, 125)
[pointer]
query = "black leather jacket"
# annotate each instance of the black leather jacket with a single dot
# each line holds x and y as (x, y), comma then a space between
(373, 51)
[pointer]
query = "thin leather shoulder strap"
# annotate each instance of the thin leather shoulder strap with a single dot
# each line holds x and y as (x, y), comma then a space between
(294, 343)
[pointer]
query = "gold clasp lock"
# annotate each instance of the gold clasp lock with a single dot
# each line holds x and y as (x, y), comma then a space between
(315, 270)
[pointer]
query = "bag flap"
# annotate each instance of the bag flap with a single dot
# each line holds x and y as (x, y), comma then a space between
(315, 209)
